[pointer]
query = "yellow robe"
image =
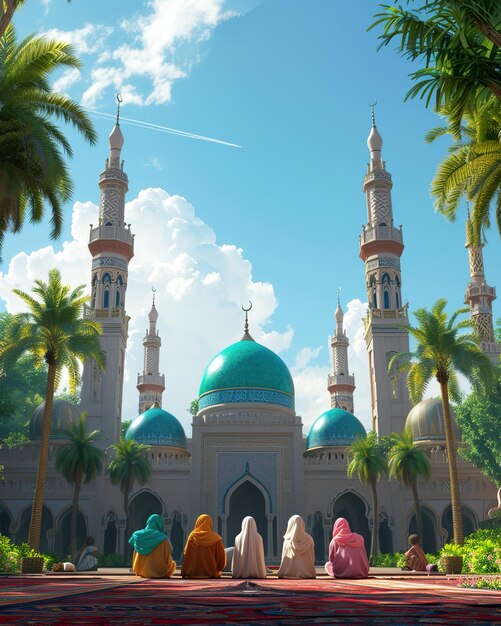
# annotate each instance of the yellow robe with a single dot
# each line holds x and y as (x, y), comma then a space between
(203, 561)
(157, 564)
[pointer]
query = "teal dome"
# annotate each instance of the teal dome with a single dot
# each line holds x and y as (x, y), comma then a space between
(156, 427)
(335, 427)
(246, 371)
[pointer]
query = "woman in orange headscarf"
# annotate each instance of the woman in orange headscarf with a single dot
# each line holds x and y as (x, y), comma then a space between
(204, 555)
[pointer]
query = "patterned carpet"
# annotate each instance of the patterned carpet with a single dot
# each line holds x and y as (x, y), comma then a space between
(272, 601)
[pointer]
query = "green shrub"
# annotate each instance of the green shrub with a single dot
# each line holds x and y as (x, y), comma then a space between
(11, 555)
(493, 582)
(112, 560)
(481, 552)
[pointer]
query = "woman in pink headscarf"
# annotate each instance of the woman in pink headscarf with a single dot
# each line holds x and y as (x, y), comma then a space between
(347, 555)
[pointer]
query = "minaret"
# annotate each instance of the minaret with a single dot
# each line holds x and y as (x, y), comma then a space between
(340, 384)
(111, 245)
(381, 247)
(151, 383)
(479, 297)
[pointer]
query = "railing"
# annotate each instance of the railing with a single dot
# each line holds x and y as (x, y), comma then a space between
(151, 379)
(391, 314)
(117, 311)
(387, 233)
(340, 379)
(483, 290)
(113, 231)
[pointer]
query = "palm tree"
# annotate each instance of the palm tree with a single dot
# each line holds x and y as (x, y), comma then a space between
(442, 351)
(472, 170)
(54, 333)
(33, 150)
(129, 465)
(79, 461)
(459, 42)
(367, 461)
(407, 464)
(7, 8)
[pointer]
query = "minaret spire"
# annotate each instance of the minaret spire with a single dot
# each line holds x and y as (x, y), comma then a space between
(246, 335)
(340, 384)
(119, 102)
(479, 296)
(151, 384)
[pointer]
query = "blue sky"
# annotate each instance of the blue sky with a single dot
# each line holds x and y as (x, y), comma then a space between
(277, 220)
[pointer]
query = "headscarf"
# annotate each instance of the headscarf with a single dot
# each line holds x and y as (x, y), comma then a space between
(146, 540)
(202, 534)
(248, 556)
(342, 535)
(297, 536)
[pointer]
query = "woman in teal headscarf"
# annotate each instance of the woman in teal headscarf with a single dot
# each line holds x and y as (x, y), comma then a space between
(152, 550)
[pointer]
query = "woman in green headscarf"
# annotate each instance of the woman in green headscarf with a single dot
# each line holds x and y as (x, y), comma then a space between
(152, 550)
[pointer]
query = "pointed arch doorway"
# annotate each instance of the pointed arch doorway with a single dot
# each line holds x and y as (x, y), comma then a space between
(246, 499)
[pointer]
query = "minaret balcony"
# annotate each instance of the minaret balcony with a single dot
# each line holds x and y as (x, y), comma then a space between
(151, 379)
(378, 239)
(478, 290)
(335, 380)
(116, 311)
(111, 238)
(385, 314)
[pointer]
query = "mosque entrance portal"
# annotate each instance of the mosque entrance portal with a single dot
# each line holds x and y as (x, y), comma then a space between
(247, 499)
(352, 508)
(141, 507)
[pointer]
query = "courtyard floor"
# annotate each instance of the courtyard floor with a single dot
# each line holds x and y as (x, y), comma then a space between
(117, 597)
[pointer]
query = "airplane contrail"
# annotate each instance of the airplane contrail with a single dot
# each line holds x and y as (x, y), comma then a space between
(165, 129)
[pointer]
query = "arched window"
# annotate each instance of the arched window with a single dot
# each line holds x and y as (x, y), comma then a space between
(106, 290)
(397, 291)
(386, 291)
(386, 299)
(94, 291)
(373, 292)
(118, 297)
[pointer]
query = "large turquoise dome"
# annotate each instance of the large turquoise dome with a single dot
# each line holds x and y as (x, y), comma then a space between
(246, 371)
(335, 427)
(156, 427)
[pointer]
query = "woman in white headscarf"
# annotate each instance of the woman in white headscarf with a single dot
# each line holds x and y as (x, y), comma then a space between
(248, 556)
(298, 552)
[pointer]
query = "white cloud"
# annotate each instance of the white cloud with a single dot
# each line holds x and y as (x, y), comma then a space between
(89, 39)
(161, 46)
(66, 80)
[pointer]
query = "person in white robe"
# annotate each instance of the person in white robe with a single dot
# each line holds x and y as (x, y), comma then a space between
(248, 555)
(298, 551)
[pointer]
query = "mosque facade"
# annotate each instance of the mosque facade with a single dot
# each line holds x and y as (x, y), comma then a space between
(248, 454)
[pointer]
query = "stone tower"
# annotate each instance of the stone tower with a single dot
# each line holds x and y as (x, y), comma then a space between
(111, 245)
(381, 247)
(340, 384)
(151, 383)
(479, 297)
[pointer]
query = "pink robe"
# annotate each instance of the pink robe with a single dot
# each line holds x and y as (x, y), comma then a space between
(347, 556)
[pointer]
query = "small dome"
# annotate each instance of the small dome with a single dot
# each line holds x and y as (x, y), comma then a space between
(246, 371)
(374, 140)
(426, 422)
(63, 415)
(116, 138)
(156, 427)
(153, 314)
(335, 427)
(338, 315)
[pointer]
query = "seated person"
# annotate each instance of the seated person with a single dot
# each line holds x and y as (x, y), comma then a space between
(248, 556)
(347, 555)
(298, 551)
(204, 555)
(85, 560)
(415, 558)
(152, 550)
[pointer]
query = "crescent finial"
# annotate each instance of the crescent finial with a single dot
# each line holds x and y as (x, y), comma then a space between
(246, 327)
(372, 112)
(119, 101)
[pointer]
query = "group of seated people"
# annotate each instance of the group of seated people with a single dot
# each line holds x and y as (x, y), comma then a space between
(205, 556)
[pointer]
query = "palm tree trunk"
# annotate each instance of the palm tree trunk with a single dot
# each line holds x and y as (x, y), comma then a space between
(38, 496)
(419, 514)
(6, 17)
(457, 519)
(375, 527)
(74, 513)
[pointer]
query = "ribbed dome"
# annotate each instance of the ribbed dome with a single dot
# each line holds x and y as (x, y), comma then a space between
(246, 371)
(374, 140)
(63, 414)
(156, 427)
(426, 422)
(335, 427)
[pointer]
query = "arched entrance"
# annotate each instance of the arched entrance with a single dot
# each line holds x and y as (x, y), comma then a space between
(385, 534)
(110, 534)
(141, 507)
(469, 522)
(429, 538)
(63, 536)
(352, 508)
(24, 527)
(5, 520)
(318, 534)
(247, 499)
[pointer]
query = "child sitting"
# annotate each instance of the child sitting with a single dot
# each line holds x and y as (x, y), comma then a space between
(415, 558)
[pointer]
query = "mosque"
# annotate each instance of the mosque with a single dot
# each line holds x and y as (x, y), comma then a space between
(248, 454)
